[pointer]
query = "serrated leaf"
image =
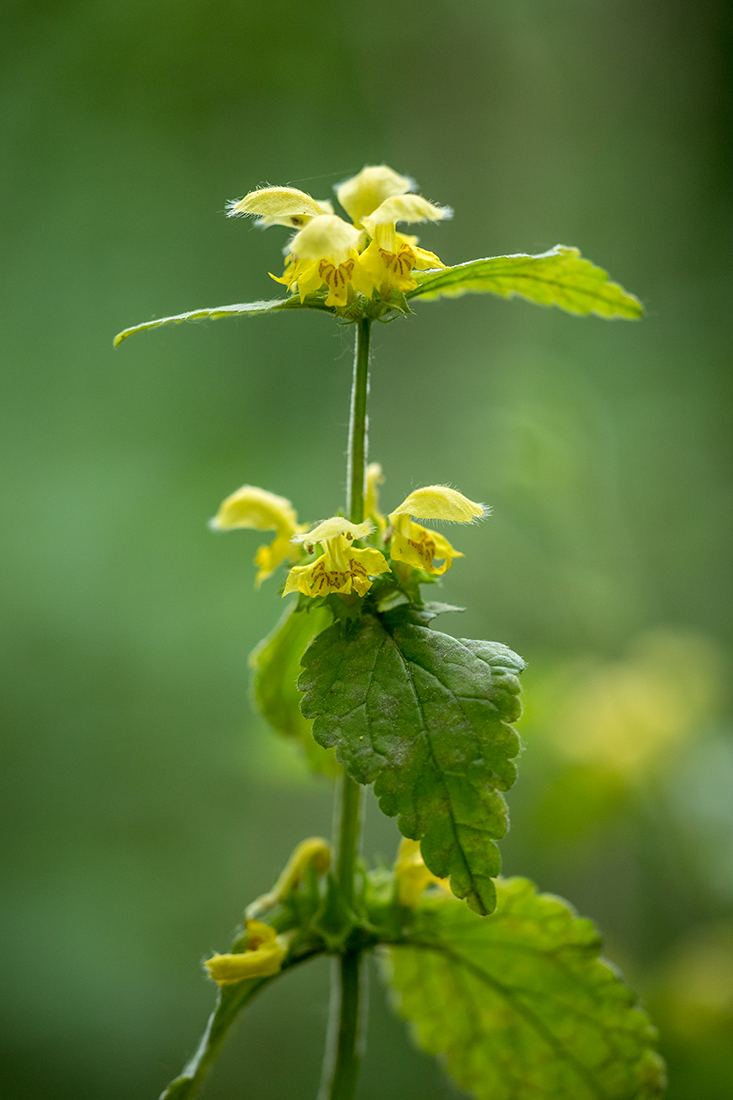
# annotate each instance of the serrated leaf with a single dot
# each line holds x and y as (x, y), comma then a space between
(276, 666)
(560, 277)
(425, 717)
(243, 309)
(520, 1005)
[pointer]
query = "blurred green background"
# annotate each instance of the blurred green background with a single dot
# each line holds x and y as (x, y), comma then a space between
(143, 802)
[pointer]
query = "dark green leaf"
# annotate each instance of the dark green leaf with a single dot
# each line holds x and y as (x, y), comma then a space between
(425, 717)
(560, 277)
(520, 1005)
(245, 309)
(276, 667)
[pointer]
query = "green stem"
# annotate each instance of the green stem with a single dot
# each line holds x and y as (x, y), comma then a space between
(343, 1048)
(356, 468)
(350, 823)
(341, 1065)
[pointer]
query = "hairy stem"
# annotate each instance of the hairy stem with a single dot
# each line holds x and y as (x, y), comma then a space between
(350, 822)
(358, 422)
(343, 1048)
(341, 1065)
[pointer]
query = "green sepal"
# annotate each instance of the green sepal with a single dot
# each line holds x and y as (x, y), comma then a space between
(519, 1005)
(275, 665)
(388, 309)
(243, 309)
(426, 718)
(560, 277)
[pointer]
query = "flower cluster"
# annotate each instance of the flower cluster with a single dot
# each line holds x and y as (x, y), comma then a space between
(343, 566)
(365, 256)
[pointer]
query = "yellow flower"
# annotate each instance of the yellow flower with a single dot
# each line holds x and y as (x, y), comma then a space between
(279, 206)
(256, 508)
(262, 957)
(325, 251)
(416, 545)
(362, 194)
(341, 568)
(411, 874)
(374, 478)
(391, 256)
(329, 251)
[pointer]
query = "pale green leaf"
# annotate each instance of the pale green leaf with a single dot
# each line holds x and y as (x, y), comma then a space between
(560, 277)
(244, 309)
(275, 667)
(426, 718)
(519, 1005)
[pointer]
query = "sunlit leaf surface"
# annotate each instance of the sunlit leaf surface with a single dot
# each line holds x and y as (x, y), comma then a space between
(520, 1005)
(560, 277)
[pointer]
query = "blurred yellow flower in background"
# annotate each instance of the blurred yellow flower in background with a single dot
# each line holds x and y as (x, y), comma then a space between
(697, 981)
(627, 715)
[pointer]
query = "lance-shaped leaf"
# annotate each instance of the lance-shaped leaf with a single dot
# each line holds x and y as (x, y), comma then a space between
(425, 717)
(520, 1005)
(243, 309)
(560, 277)
(275, 667)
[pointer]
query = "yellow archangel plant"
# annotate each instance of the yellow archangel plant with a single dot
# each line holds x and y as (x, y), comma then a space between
(344, 567)
(500, 981)
(362, 256)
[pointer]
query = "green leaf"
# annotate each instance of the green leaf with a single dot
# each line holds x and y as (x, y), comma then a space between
(520, 1005)
(560, 277)
(244, 309)
(425, 717)
(276, 667)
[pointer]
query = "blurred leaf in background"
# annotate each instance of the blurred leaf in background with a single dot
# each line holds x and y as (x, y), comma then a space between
(142, 802)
